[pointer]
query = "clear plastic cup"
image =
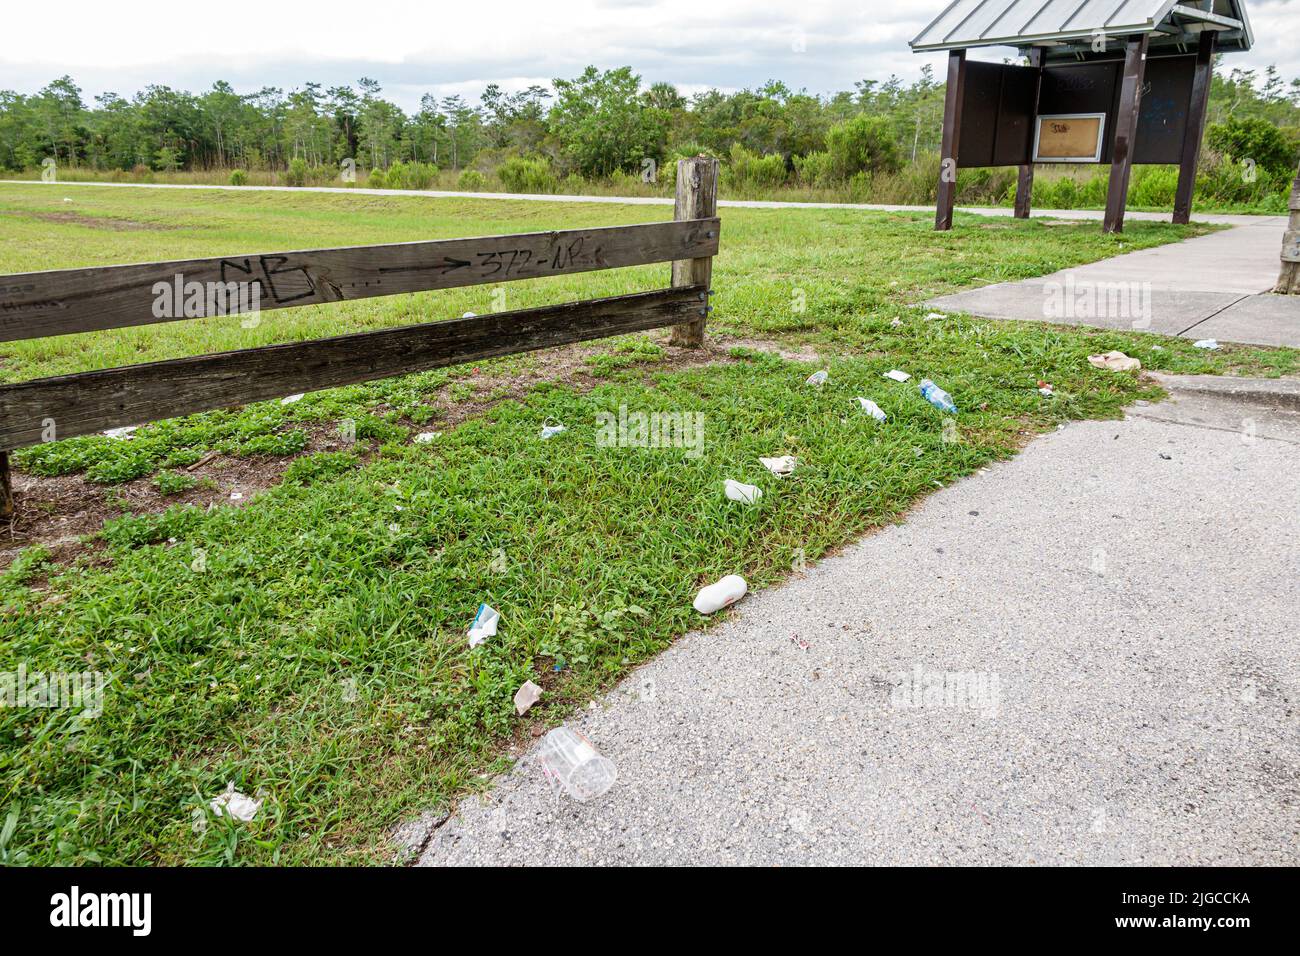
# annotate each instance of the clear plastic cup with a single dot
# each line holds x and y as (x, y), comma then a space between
(573, 765)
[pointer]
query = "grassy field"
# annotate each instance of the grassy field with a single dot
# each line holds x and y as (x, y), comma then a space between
(308, 643)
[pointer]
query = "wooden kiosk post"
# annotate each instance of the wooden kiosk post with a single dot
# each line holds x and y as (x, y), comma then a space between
(951, 140)
(1126, 119)
(1025, 181)
(1195, 128)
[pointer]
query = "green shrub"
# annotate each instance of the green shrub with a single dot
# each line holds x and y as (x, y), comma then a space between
(1094, 189)
(471, 180)
(985, 185)
(860, 187)
(297, 174)
(397, 176)
(520, 175)
(1255, 140)
(421, 176)
(1153, 186)
(813, 169)
(861, 144)
(238, 177)
(378, 179)
(748, 170)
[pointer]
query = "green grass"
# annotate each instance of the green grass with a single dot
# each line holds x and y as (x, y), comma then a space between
(310, 645)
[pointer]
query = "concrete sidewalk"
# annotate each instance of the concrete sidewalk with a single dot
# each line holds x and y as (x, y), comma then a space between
(1212, 287)
(1123, 595)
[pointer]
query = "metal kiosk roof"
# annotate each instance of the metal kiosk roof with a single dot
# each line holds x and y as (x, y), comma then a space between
(1067, 28)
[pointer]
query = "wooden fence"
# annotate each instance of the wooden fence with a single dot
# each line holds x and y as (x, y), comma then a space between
(65, 301)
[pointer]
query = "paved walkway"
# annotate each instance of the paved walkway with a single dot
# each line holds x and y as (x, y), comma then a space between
(1125, 594)
(1213, 287)
(1082, 214)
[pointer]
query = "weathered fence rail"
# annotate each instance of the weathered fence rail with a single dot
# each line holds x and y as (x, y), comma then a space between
(66, 301)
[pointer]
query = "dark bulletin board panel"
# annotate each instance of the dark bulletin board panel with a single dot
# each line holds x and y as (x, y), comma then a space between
(1162, 118)
(997, 115)
(997, 107)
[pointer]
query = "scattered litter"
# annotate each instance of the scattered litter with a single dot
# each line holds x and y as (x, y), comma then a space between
(818, 379)
(483, 626)
(931, 316)
(937, 397)
(799, 642)
(896, 322)
(739, 491)
(1157, 348)
(573, 766)
(551, 430)
(1115, 361)
(779, 466)
(1045, 389)
(232, 803)
(1166, 457)
(468, 315)
(717, 596)
(290, 399)
(67, 199)
(121, 434)
(872, 409)
(1208, 344)
(526, 696)
(897, 376)
(425, 437)
(236, 496)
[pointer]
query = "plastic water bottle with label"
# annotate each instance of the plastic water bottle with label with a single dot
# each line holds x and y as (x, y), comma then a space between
(937, 397)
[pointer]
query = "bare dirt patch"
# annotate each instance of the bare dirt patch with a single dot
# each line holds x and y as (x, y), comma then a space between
(59, 513)
(94, 222)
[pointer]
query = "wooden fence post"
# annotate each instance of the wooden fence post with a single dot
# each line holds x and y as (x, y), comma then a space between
(1288, 283)
(6, 488)
(697, 198)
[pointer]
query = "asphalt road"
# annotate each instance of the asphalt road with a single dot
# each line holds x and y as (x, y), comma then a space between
(1088, 654)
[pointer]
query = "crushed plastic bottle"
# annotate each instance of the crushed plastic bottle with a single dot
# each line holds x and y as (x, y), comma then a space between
(818, 379)
(872, 409)
(780, 467)
(937, 397)
(739, 491)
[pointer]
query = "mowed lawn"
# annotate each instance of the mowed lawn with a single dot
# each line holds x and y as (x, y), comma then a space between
(309, 646)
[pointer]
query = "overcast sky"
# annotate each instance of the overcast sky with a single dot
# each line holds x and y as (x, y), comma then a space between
(418, 46)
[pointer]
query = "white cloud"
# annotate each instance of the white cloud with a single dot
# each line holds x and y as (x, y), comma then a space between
(416, 47)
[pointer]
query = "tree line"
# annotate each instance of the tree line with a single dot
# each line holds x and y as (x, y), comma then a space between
(597, 125)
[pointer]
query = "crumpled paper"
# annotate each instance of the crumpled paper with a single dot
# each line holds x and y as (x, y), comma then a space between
(1115, 361)
(527, 695)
